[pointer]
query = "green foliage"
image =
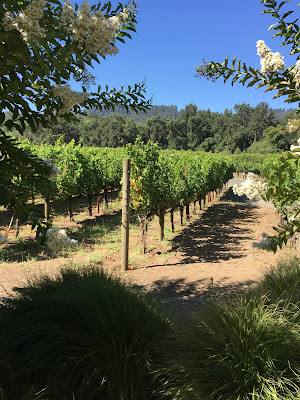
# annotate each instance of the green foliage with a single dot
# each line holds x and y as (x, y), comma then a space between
(171, 179)
(241, 348)
(83, 335)
(282, 283)
(246, 162)
(29, 69)
(283, 174)
(282, 82)
(31, 66)
(235, 130)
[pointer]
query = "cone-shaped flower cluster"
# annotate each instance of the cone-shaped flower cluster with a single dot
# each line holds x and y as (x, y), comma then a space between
(270, 62)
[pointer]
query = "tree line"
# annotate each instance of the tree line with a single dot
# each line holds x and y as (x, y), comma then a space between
(245, 128)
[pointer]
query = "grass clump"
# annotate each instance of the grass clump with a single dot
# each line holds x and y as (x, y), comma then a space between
(282, 282)
(83, 335)
(244, 348)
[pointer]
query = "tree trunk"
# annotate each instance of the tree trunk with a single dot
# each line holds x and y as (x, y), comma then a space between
(172, 219)
(98, 204)
(162, 223)
(70, 208)
(17, 227)
(143, 229)
(181, 215)
(90, 207)
(47, 209)
(194, 208)
(187, 209)
(105, 202)
(10, 223)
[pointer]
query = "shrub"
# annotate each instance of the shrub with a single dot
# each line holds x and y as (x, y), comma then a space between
(282, 282)
(83, 335)
(231, 349)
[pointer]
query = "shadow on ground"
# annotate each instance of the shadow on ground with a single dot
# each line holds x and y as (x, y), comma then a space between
(216, 235)
(181, 298)
(87, 232)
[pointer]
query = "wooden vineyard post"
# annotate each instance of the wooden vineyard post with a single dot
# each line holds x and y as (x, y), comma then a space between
(187, 210)
(47, 208)
(105, 201)
(90, 207)
(162, 223)
(172, 219)
(181, 214)
(125, 214)
(98, 204)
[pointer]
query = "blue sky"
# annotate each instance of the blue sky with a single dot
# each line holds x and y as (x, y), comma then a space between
(173, 36)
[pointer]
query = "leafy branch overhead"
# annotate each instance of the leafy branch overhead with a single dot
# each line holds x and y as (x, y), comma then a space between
(273, 74)
(282, 175)
(44, 44)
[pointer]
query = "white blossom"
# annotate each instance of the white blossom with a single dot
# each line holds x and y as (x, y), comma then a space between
(3, 239)
(270, 62)
(253, 187)
(265, 243)
(296, 72)
(28, 21)
(262, 48)
(93, 30)
(69, 97)
(54, 170)
(293, 125)
(57, 239)
(293, 211)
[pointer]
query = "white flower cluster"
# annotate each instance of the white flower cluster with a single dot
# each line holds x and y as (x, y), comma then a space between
(270, 62)
(253, 187)
(293, 125)
(93, 31)
(27, 22)
(57, 239)
(54, 170)
(293, 211)
(295, 148)
(265, 243)
(296, 72)
(69, 97)
(3, 239)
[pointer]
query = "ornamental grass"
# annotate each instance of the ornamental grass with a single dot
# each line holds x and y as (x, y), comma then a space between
(243, 348)
(83, 335)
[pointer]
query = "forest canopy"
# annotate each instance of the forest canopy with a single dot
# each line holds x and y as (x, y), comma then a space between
(245, 128)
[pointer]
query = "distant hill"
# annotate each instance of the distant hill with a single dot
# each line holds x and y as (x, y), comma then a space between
(280, 113)
(169, 112)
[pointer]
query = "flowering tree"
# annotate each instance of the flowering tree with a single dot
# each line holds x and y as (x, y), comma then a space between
(44, 44)
(283, 177)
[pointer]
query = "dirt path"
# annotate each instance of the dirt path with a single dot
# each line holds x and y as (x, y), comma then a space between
(213, 254)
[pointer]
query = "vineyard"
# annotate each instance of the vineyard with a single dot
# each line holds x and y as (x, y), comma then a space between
(160, 181)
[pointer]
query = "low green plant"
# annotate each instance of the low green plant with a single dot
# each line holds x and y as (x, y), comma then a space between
(282, 282)
(281, 390)
(82, 335)
(230, 349)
